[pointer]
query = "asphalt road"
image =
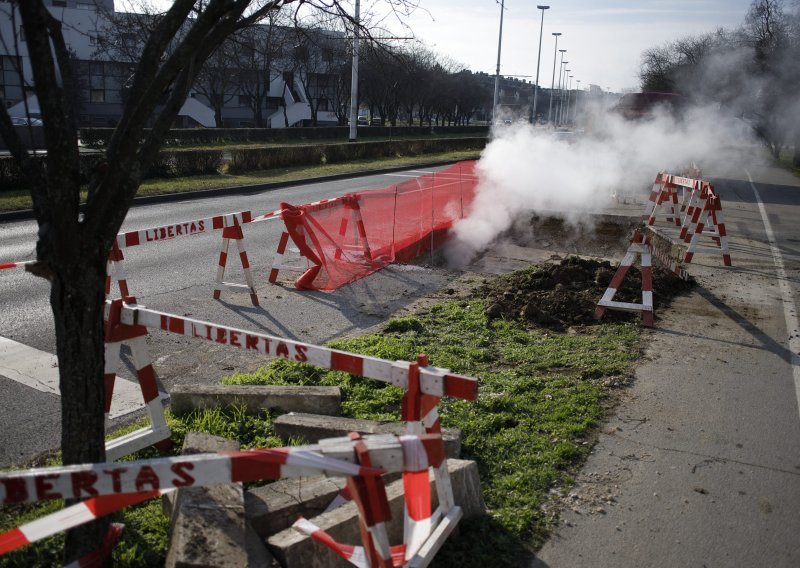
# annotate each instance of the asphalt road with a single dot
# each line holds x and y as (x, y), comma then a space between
(177, 276)
(700, 463)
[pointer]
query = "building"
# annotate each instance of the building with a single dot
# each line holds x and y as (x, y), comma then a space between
(272, 76)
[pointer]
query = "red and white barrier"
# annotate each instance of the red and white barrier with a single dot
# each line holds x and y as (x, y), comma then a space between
(637, 248)
(128, 323)
(109, 487)
(21, 264)
(359, 235)
(708, 222)
(228, 234)
(182, 229)
(664, 196)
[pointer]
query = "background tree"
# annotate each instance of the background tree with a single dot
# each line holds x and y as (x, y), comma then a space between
(753, 71)
(217, 80)
(73, 244)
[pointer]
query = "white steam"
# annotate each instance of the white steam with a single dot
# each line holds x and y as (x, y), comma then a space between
(525, 170)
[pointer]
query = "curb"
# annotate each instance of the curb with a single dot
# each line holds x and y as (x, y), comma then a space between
(27, 214)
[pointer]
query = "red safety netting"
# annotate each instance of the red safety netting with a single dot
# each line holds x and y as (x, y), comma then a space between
(354, 235)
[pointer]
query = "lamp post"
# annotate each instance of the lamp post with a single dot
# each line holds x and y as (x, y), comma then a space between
(538, 61)
(562, 79)
(560, 67)
(553, 80)
(577, 98)
(497, 74)
(354, 78)
(569, 96)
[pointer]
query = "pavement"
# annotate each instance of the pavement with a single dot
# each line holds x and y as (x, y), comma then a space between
(699, 464)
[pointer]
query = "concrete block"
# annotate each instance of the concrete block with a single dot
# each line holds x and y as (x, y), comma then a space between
(274, 507)
(293, 549)
(313, 428)
(208, 525)
(256, 398)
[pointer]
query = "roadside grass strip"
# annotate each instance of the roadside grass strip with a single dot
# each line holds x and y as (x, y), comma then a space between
(541, 398)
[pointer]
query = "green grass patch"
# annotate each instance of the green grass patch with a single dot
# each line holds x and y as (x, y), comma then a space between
(17, 200)
(786, 159)
(540, 399)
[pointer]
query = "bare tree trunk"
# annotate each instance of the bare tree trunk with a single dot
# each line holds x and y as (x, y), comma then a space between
(79, 289)
(796, 157)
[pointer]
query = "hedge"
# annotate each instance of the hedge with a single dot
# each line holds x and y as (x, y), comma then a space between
(99, 137)
(182, 163)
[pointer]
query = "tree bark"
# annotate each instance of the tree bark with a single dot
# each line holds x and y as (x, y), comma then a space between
(796, 157)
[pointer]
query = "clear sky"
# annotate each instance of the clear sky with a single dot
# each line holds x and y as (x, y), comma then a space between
(604, 39)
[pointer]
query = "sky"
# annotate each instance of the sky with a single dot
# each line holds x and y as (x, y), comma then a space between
(604, 39)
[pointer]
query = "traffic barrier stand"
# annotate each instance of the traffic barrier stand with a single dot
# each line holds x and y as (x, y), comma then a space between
(424, 530)
(115, 271)
(128, 320)
(694, 204)
(158, 432)
(358, 243)
(109, 487)
(708, 222)
(234, 233)
(662, 196)
(637, 248)
(280, 262)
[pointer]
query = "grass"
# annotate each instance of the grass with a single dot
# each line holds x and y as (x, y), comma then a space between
(19, 200)
(540, 399)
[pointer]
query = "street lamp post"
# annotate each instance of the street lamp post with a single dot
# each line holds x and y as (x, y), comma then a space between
(354, 78)
(553, 80)
(562, 79)
(569, 97)
(497, 74)
(577, 99)
(538, 61)
(560, 67)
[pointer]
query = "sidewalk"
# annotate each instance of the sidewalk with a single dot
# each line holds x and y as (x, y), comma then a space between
(699, 465)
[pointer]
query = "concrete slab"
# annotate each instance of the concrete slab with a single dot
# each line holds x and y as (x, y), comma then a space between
(256, 398)
(207, 524)
(311, 427)
(293, 549)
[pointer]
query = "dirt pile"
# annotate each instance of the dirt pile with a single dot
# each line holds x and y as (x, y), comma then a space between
(565, 294)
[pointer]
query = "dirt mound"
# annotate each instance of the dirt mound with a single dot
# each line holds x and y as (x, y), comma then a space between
(565, 294)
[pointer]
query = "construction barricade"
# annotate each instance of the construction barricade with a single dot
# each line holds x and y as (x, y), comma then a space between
(231, 226)
(703, 213)
(347, 238)
(127, 322)
(109, 487)
(637, 248)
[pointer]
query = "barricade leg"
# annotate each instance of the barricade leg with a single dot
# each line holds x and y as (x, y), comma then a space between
(115, 270)
(228, 234)
(637, 247)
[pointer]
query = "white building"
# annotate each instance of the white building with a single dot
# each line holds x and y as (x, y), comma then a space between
(288, 88)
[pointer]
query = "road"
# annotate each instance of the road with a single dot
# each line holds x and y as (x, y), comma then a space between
(699, 465)
(177, 276)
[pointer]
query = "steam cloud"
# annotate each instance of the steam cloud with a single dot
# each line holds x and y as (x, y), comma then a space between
(525, 170)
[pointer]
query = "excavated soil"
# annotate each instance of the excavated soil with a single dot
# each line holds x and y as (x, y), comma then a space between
(563, 294)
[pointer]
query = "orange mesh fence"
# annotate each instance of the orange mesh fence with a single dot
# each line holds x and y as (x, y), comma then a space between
(352, 236)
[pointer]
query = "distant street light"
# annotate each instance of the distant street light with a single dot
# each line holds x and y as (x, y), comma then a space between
(569, 97)
(577, 98)
(560, 67)
(562, 81)
(553, 80)
(354, 77)
(497, 74)
(538, 61)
